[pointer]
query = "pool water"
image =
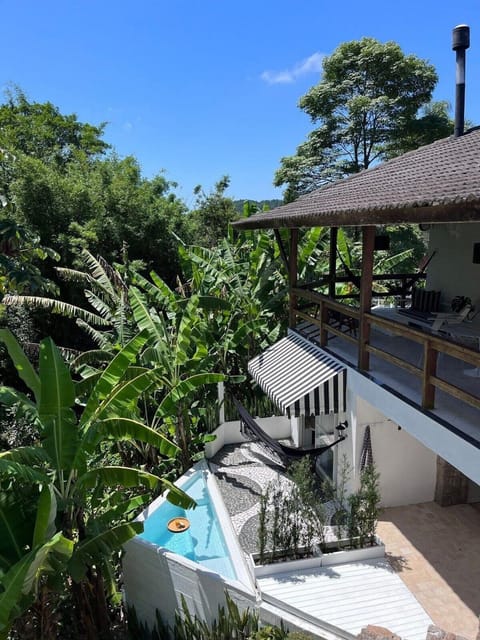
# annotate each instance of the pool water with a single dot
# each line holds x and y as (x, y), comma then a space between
(203, 542)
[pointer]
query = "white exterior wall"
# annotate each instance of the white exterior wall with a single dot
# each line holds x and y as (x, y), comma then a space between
(277, 427)
(407, 468)
(155, 579)
(452, 448)
(451, 270)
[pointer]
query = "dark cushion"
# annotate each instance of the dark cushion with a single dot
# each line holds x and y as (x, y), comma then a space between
(425, 300)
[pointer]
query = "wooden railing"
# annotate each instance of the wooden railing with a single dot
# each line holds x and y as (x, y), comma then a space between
(324, 309)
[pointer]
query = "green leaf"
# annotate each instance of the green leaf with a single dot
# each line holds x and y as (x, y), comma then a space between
(112, 375)
(128, 477)
(123, 395)
(46, 514)
(33, 455)
(183, 389)
(169, 297)
(25, 407)
(128, 429)
(21, 472)
(21, 580)
(99, 274)
(12, 583)
(57, 390)
(22, 364)
(144, 317)
(57, 396)
(94, 550)
(16, 523)
(123, 509)
(58, 546)
(55, 306)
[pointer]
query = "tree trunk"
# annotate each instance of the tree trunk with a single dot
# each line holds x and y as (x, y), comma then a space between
(91, 609)
(183, 440)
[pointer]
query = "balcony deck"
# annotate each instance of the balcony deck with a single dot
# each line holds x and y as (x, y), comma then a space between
(455, 414)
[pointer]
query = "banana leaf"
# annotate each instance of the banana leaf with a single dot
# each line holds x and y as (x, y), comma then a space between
(128, 477)
(22, 364)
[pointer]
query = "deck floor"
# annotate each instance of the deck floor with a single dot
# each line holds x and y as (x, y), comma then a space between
(352, 596)
(459, 414)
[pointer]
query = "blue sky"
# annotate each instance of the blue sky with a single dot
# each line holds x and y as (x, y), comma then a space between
(203, 89)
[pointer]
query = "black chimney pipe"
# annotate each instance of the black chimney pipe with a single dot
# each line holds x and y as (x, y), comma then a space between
(460, 43)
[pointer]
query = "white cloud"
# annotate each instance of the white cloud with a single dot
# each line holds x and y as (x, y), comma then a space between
(312, 64)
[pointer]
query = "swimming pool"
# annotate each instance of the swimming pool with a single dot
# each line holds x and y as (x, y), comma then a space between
(203, 542)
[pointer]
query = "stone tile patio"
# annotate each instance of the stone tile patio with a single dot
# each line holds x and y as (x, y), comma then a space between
(436, 552)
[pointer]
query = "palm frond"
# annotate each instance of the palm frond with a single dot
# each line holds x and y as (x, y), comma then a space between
(99, 305)
(100, 338)
(99, 273)
(54, 306)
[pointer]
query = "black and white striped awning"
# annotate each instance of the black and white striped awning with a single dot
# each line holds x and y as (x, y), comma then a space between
(301, 378)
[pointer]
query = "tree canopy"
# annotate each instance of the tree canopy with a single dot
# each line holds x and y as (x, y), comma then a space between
(367, 107)
(41, 131)
(68, 188)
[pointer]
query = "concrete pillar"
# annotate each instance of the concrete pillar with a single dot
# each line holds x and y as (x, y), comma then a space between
(452, 485)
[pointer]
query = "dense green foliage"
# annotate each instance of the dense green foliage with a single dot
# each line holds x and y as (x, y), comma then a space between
(65, 488)
(212, 214)
(20, 251)
(259, 205)
(367, 107)
(230, 623)
(69, 190)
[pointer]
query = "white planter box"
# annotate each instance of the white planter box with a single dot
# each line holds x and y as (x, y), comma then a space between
(343, 556)
(353, 555)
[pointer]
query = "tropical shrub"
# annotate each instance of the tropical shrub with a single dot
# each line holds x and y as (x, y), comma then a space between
(67, 487)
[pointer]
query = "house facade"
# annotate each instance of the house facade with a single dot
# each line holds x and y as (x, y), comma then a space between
(409, 378)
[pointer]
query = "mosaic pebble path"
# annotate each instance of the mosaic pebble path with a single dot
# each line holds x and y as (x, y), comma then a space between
(243, 472)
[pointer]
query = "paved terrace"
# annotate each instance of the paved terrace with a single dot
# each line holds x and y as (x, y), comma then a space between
(434, 550)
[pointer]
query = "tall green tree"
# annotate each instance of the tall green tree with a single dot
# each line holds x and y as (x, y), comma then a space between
(212, 215)
(39, 130)
(69, 188)
(365, 106)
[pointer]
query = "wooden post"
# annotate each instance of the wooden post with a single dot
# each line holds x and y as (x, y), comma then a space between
(332, 267)
(368, 241)
(430, 356)
(293, 275)
(323, 330)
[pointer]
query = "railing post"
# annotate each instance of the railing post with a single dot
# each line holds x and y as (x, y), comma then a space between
(332, 262)
(430, 356)
(293, 275)
(323, 327)
(368, 242)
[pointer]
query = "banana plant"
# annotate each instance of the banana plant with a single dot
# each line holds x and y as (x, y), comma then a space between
(178, 349)
(87, 508)
(106, 317)
(27, 522)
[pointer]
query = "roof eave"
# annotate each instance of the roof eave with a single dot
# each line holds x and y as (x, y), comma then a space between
(466, 211)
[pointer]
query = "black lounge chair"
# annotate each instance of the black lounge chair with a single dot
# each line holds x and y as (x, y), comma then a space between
(287, 454)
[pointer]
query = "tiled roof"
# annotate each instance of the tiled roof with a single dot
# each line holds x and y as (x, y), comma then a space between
(439, 182)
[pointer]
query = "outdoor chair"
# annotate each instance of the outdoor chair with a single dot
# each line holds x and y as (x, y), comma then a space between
(424, 311)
